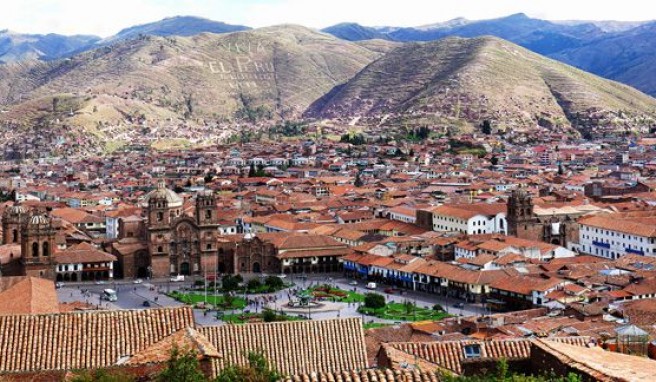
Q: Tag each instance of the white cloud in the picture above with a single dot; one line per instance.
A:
(107, 17)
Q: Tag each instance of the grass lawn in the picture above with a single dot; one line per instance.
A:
(255, 317)
(335, 294)
(217, 301)
(374, 325)
(398, 312)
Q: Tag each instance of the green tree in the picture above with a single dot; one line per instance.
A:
(182, 366)
(103, 376)
(274, 282)
(486, 127)
(358, 180)
(229, 283)
(253, 284)
(269, 316)
(374, 301)
(258, 370)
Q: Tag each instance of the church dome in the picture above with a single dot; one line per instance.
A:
(16, 209)
(38, 220)
(164, 194)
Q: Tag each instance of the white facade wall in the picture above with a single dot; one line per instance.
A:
(479, 224)
(613, 244)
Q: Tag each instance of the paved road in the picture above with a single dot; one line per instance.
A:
(132, 296)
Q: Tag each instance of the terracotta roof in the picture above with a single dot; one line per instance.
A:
(84, 340)
(186, 339)
(368, 375)
(614, 222)
(27, 295)
(600, 364)
(293, 347)
(451, 354)
(83, 253)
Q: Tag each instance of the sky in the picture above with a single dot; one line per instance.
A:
(105, 18)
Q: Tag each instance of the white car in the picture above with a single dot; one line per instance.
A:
(282, 275)
(353, 282)
(138, 281)
(177, 278)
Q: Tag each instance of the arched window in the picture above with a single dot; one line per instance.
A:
(15, 235)
(160, 216)
(208, 214)
(160, 249)
(46, 248)
(35, 249)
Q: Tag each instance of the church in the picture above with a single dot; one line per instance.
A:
(172, 242)
(168, 241)
(553, 223)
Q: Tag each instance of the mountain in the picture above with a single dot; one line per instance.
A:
(355, 32)
(18, 47)
(175, 26)
(541, 36)
(163, 82)
(465, 81)
(628, 57)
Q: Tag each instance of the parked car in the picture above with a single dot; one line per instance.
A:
(137, 281)
(100, 282)
(459, 305)
(371, 285)
(146, 304)
(178, 278)
(59, 285)
(353, 282)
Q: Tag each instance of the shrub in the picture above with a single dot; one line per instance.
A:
(253, 284)
(274, 282)
(374, 300)
(269, 316)
(438, 307)
(230, 282)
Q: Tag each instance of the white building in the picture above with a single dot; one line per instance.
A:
(471, 219)
(615, 235)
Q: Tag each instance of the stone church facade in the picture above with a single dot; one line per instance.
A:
(523, 222)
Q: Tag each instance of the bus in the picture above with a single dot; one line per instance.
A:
(110, 295)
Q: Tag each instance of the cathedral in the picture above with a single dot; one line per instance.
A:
(171, 242)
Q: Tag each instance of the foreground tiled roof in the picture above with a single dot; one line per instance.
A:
(186, 339)
(450, 354)
(293, 347)
(369, 375)
(600, 364)
(82, 340)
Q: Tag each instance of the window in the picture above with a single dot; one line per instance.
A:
(160, 216)
(15, 235)
(46, 248)
(472, 351)
(35, 249)
(208, 214)
(160, 249)
(209, 246)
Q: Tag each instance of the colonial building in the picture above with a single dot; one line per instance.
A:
(38, 254)
(551, 224)
(280, 252)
